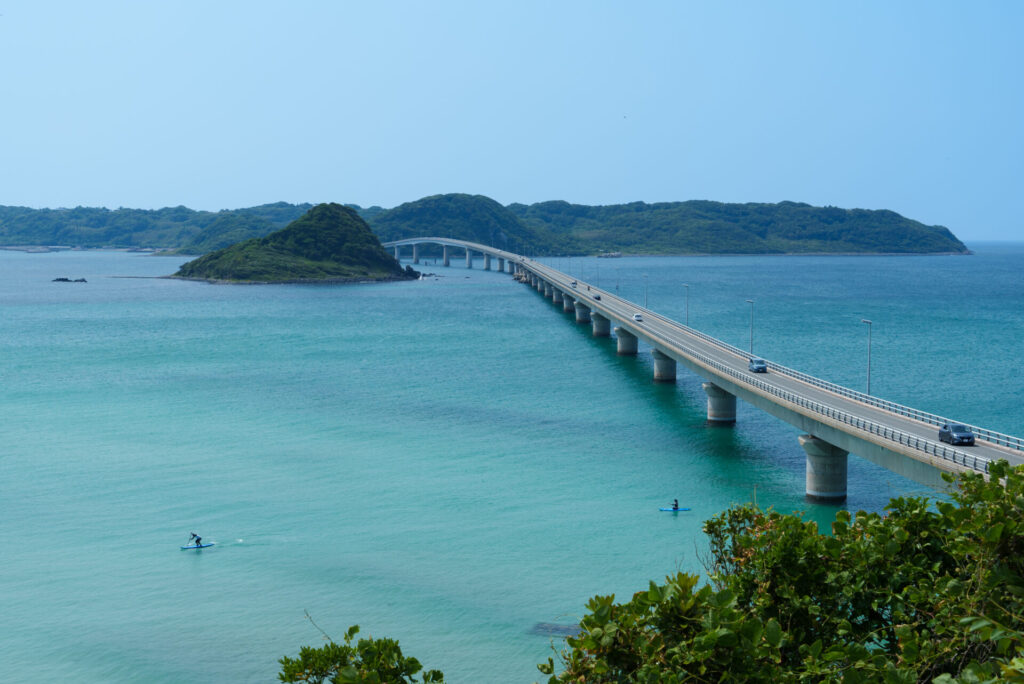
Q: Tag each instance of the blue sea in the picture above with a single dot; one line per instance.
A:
(450, 462)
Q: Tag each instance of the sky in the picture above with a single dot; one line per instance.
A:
(913, 106)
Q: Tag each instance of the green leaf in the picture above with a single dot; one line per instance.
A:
(773, 633)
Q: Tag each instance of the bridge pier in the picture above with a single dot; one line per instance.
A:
(501, 264)
(469, 258)
(664, 367)
(398, 253)
(582, 313)
(547, 289)
(568, 304)
(721, 405)
(601, 325)
(826, 470)
(487, 261)
(625, 342)
(556, 295)
(447, 259)
(415, 254)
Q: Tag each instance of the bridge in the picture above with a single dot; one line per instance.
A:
(835, 420)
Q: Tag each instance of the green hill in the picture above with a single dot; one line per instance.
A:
(167, 228)
(330, 242)
(692, 227)
(703, 227)
(227, 229)
(465, 217)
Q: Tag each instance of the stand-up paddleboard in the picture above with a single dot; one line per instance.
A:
(201, 546)
(674, 510)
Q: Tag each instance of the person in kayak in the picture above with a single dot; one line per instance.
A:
(199, 540)
(675, 506)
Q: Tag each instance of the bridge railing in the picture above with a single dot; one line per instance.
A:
(990, 436)
(977, 463)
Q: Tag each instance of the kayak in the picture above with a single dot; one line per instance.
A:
(201, 546)
(674, 510)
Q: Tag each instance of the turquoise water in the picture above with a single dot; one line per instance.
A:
(448, 462)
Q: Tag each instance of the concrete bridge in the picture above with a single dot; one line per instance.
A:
(836, 421)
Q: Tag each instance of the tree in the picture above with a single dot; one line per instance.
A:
(370, 661)
(923, 593)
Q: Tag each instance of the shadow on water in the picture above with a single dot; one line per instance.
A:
(554, 629)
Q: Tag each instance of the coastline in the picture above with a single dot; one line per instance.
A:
(354, 280)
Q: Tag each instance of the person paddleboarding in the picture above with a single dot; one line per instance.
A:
(199, 540)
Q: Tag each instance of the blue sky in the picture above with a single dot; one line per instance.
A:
(911, 106)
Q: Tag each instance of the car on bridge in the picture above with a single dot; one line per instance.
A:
(757, 366)
(638, 318)
(954, 433)
(597, 297)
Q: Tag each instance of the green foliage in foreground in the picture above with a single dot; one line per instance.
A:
(370, 661)
(920, 594)
(925, 593)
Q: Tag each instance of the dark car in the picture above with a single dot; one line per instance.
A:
(597, 297)
(954, 433)
(758, 366)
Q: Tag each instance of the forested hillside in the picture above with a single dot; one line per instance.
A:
(545, 228)
(702, 227)
(466, 217)
(167, 228)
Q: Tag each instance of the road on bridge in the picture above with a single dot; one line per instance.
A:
(669, 336)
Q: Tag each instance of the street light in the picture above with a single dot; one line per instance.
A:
(687, 286)
(864, 320)
(645, 290)
(751, 303)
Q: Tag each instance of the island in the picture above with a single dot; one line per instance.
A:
(330, 243)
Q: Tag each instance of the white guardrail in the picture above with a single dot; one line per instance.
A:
(978, 463)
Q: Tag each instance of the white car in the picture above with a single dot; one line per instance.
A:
(638, 318)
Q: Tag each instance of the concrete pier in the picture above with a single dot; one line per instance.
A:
(487, 261)
(469, 258)
(547, 289)
(721, 405)
(447, 259)
(568, 304)
(826, 470)
(625, 342)
(602, 327)
(398, 253)
(582, 313)
(664, 367)
(556, 296)
(416, 254)
(501, 264)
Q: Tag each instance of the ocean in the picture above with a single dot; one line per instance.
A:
(450, 462)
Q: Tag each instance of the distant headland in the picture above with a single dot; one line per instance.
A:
(542, 229)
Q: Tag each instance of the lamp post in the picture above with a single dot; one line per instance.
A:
(687, 320)
(864, 320)
(645, 290)
(751, 303)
